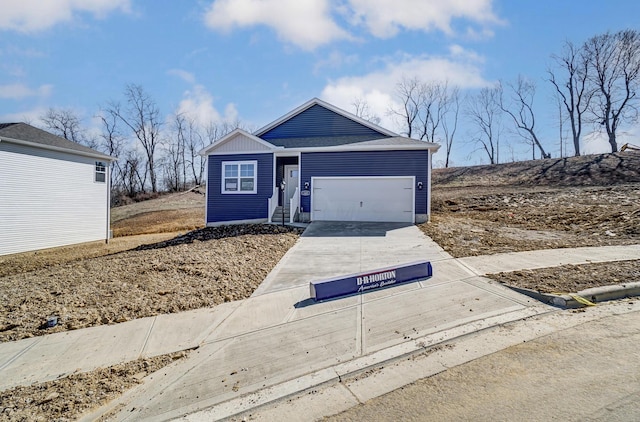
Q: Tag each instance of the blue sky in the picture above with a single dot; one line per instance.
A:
(255, 60)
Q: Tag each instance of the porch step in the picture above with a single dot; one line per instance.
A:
(277, 215)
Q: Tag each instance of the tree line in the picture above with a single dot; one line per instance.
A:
(595, 83)
(153, 153)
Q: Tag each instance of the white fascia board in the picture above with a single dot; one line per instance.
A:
(328, 106)
(228, 137)
(58, 149)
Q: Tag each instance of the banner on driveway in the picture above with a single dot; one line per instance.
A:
(370, 280)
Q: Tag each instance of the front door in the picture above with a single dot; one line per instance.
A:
(291, 180)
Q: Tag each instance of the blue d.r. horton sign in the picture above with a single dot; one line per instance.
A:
(371, 280)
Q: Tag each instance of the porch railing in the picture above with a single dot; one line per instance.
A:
(273, 203)
(294, 205)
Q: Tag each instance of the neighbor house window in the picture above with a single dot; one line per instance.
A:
(239, 176)
(101, 172)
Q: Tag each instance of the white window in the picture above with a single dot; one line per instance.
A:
(239, 176)
(101, 172)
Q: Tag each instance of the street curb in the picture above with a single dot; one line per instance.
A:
(594, 295)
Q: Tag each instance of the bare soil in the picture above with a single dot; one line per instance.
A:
(174, 212)
(543, 204)
(572, 278)
(68, 398)
(200, 269)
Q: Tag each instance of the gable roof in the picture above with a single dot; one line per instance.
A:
(22, 133)
(246, 143)
(317, 123)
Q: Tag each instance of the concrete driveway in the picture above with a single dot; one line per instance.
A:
(327, 249)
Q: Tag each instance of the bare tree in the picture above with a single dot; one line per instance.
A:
(112, 143)
(520, 109)
(614, 64)
(215, 131)
(142, 117)
(66, 124)
(195, 143)
(571, 84)
(134, 173)
(434, 102)
(483, 109)
(451, 110)
(409, 91)
(362, 110)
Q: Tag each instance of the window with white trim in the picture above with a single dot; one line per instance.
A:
(101, 172)
(239, 176)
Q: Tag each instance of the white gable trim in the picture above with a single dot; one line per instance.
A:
(238, 141)
(317, 101)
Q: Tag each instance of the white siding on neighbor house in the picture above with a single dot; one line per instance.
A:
(49, 199)
(241, 143)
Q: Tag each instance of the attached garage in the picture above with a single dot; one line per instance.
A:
(385, 198)
(319, 162)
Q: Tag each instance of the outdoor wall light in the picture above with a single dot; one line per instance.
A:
(306, 185)
(419, 185)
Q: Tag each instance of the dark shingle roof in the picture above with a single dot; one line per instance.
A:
(28, 133)
(396, 141)
(321, 141)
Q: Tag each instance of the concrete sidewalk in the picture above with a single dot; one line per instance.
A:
(277, 343)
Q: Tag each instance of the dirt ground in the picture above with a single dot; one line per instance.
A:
(174, 212)
(516, 207)
(572, 278)
(200, 269)
(66, 399)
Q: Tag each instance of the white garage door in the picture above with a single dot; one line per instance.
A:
(363, 199)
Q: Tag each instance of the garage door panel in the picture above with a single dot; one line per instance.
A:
(363, 199)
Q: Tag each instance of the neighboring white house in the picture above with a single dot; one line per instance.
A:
(53, 192)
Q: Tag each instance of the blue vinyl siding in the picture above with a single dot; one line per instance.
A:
(317, 121)
(367, 163)
(230, 207)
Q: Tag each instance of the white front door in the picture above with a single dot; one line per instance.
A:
(389, 199)
(291, 180)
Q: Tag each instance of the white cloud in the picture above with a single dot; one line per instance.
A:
(188, 77)
(38, 15)
(384, 18)
(305, 23)
(19, 91)
(311, 23)
(197, 103)
(29, 116)
(377, 88)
